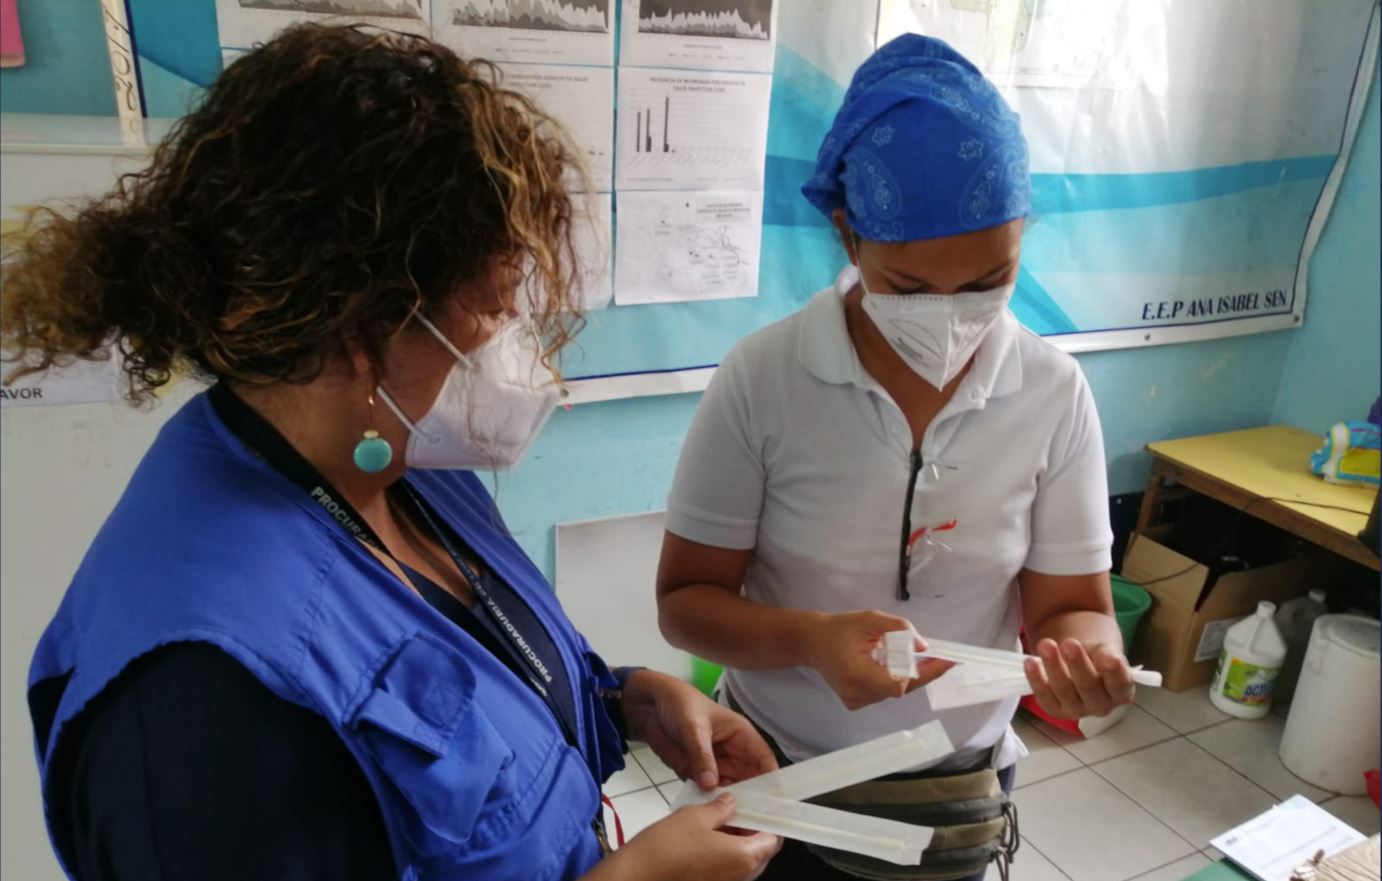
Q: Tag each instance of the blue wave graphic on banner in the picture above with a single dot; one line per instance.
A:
(1061, 193)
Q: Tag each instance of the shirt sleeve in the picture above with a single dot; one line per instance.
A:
(187, 768)
(1070, 515)
(717, 494)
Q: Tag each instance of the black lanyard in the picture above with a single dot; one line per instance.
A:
(264, 439)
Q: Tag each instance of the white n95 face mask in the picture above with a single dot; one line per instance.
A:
(936, 334)
(493, 404)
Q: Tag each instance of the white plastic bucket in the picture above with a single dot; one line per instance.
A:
(1333, 732)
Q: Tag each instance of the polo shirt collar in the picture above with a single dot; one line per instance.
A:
(827, 352)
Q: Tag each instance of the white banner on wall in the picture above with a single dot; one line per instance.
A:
(1185, 153)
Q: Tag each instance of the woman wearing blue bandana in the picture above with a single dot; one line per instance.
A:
(901, 454)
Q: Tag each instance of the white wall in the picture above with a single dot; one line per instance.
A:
(62, 468)
(61, 471)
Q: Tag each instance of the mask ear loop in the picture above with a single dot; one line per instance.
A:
(460, 357)
(441, 338)
(398, 411)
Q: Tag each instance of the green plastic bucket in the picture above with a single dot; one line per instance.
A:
(1130, 603)
(705, 675)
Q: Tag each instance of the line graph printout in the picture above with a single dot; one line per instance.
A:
(683, 130)
(582, 100)
(533, 31)
(736, 35)
(677, 247)
(244, 23)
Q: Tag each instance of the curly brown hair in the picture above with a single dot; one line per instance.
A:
(331, 183)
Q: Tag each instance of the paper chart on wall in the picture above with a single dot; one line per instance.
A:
(243, 23)
(594, 237)
(680, 246)
(682, 130)
(582, 100)
(702, 34)
(592, 243)
(533, 31)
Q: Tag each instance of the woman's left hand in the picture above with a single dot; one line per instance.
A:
(693, 735)
(1076, 679)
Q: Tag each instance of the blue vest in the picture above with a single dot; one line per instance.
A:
(473, 775)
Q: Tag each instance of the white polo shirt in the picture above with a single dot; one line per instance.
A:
(799, 454)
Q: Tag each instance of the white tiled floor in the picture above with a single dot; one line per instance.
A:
(1250, 748)
(1138, 803)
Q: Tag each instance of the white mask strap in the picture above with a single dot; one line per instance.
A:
(450, 347)
(398, 411)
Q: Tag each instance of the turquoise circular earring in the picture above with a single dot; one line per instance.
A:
(373, 454)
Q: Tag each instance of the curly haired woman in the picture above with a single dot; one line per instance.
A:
(304, 646)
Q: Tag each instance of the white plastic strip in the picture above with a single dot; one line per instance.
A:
(897, 653)
(771, 802)
(888, 840)
(638, 385)
(874, 758)
(978, 686)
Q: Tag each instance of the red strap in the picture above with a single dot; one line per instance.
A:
(618, 826)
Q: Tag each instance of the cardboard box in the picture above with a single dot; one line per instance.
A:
(1183, 632)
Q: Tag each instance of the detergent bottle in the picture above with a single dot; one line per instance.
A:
(1254, 653)
(1295, 619)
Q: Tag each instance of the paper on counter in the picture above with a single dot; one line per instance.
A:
(677, 247)
(1272, 845)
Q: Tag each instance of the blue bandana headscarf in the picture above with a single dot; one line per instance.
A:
(923, 147)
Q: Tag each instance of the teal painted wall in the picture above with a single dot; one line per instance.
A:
(1333, 364)
(66, 71)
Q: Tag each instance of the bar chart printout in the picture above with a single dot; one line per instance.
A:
(684, 130)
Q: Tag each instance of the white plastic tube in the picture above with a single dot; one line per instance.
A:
(772, 802)
(898, 653)
(875, 758)
(888, 840)
(969, 685)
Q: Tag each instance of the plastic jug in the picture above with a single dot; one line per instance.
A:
(1296, 619)
(1253, 655)
(1332, 735)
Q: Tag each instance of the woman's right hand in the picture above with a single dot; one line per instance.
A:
(842, 652)
(693, 844)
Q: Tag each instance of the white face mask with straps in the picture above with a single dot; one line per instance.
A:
(936, 334)
(493, 404)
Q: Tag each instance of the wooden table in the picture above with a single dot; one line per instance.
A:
(1264, 472)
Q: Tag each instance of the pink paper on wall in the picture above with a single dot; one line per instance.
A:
(11, 43)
